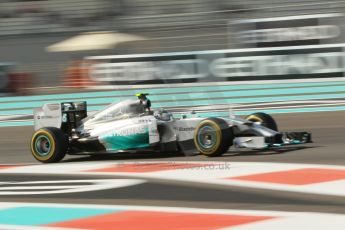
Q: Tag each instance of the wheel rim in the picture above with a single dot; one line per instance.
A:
(42, 145)
(207, 137)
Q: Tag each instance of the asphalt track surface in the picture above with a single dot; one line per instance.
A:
(328, 148)
(327, 130)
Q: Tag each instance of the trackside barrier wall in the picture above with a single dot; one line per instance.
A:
(272, 63)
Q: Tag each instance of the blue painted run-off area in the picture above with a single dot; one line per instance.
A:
(32, 216)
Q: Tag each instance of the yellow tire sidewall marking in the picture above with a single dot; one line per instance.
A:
(254, 118)
(52, 142)
(218, 137)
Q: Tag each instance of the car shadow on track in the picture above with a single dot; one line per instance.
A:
(122, 156)
(275, 151)
(148, 155)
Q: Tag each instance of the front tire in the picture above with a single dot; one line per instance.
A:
(213, 137)
(49, 145)
(265, 120)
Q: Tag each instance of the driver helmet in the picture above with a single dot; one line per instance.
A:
(141, 95)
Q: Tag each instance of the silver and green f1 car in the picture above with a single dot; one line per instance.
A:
(65, 128)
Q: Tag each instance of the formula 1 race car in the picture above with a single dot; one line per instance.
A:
(64, 128)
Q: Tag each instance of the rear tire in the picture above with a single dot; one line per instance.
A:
(213, 137)
(265, 120)
(49, 145)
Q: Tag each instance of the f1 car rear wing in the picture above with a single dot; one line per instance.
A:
(49, 115)
(65, 115)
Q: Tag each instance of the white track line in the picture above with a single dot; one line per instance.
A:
(218, 173)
